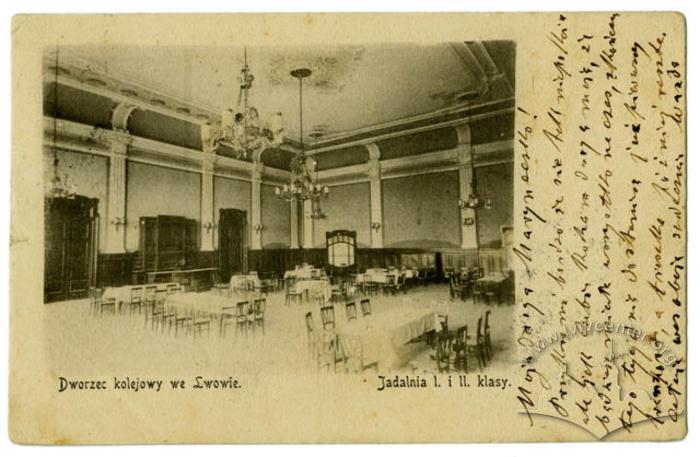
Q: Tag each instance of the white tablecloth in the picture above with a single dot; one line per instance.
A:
(373, 275)
(383, 333)
(206, 302)
(306, 272)
(123, 293)
(314, 287)
(250, 281)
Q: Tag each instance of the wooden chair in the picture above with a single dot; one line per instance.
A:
(95, 293)
(172, 289)
(257, 315)
(460, 346)
(200, 322)
(369, 287)
(389, 286)
(160, 297)
(149, 296)
(477, 292)
(153, 315)
(328, 317)
(109, 303)
(492, 294)
(351, 311)
(320, 299)
(366, 307)
(135, 302)
(310, 333)
(292, 294)
(476, 350)
(457, 289)
(443, 349)
(487, 336)
(238, 314)
(183, 321)
(167, 316)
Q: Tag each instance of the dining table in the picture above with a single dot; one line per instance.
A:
(122, 294)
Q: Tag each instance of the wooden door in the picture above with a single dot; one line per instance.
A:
(233, 242)
(70, 247)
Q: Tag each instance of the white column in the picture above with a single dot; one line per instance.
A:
(207, 203)
(294, 224)
(308, 240)
(374, 171)
(468, 215)
(115, 241)
(255, 207)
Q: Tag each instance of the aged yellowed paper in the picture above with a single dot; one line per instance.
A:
(309, 228)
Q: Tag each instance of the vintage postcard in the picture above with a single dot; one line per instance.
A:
(326, 228)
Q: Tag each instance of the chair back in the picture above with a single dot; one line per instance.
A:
(328, 317)
(487, 329)
(462, 338)
(366, 307)
(309, 322)
(351, 311)
(136, 293)
(160, 296)
(259, 307)
(173, 288)
(149, 293)
(479, 338)
(242, 309)
(442, 348)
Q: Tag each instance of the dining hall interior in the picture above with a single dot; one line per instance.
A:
(279, 210)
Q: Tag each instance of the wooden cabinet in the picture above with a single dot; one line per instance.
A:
(71, 228)
(167, 243)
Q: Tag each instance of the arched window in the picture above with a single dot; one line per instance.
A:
(341, 248)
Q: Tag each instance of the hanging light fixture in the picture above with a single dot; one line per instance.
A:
(242, 131)
(302, 185)
(474, 201)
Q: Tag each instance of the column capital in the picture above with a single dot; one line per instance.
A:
(464, 134)
(120, 116)
(374, 152)
(374, 165)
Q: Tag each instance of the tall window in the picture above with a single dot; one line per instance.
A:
(341, 248)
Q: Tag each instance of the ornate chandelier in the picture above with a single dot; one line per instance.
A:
(302, 185)
(474, 201)
(242, 131)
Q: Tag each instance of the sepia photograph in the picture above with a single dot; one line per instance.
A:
(276, 210)
(348, 228)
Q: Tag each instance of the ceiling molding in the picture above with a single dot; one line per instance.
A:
(433, 162)
(426, 128)
(77, 72)
(83, 138)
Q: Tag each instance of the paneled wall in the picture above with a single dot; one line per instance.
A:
(494, 182)
(153, 190)
(87, 173)
(421, 211)
(230, 193)
(275, 218)
(347, 208)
